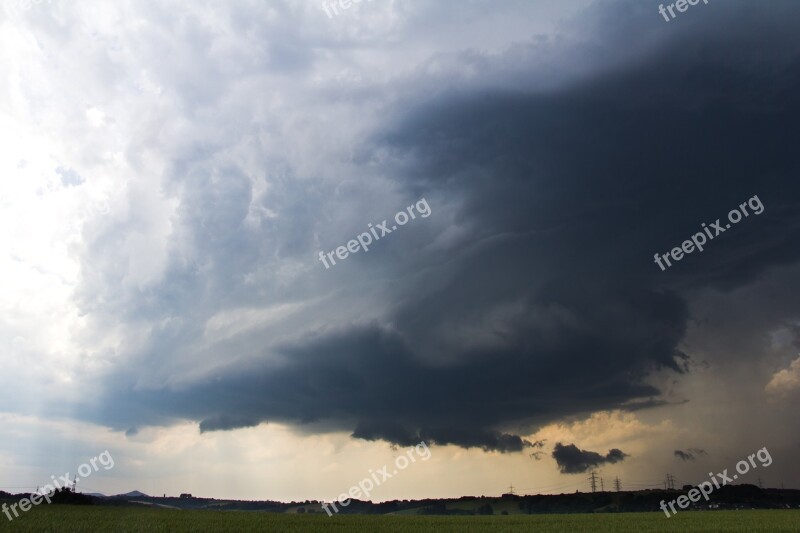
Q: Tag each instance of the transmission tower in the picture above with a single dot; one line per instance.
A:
(670, 484)
(593, 480)
(602, 486)
(617, 485)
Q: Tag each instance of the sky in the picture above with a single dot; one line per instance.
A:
(180, 181)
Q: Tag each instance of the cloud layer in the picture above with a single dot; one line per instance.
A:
(207, 179)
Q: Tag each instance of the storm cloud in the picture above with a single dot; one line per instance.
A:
(530, 294)
(573, 460)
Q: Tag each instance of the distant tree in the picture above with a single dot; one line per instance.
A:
(485, 509)
(69, 497)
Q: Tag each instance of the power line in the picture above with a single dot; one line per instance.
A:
(555, 486)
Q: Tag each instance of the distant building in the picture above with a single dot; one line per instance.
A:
(186, 495)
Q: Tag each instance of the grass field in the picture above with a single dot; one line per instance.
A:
(126, 519)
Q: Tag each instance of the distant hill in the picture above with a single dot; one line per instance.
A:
(132, 494)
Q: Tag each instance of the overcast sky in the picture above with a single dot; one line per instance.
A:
(171, 171)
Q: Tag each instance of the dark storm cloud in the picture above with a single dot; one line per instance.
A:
(684, 455)
(223, 422)
(573, 460)
(537, 455)
(358, 377)
(466, 437)
(553, 305)
(574, 192)
(689, 455)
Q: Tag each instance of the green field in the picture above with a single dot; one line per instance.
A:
(122, 519)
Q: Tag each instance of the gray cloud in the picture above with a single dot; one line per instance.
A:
(573, 460)
(684, 456)
(465, 437)
(226, 421)
(689, 455)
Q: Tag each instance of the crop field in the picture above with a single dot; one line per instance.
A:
(127, 519)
